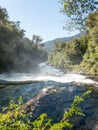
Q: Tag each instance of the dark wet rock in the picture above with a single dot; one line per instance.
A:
(94, 77)
(92, 87)
(54, 98)
(3, 82)
(55, 103)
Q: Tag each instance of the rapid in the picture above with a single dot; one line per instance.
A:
(52, 91)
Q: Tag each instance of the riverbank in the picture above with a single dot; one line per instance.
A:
(78, 70)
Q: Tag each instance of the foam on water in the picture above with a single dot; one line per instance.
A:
(47, 73)
(66, 78)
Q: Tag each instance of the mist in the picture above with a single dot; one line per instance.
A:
(17, 52)
(21, 55)
(47, 73)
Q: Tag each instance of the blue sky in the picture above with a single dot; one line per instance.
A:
(40, 17)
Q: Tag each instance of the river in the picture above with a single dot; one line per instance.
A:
(51, 79)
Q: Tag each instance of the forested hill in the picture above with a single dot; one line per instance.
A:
(49, 45)
(17, 52)
(81, 53)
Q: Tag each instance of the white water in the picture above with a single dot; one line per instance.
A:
(47, 73)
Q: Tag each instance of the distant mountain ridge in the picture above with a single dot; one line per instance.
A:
(49, 45)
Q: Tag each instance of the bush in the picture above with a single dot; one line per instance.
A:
(15, 117)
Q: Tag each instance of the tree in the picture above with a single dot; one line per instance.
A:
(77, 12)
(3, 15)
(92, 20)
(16, 51)
(36, 39)
(90, 58)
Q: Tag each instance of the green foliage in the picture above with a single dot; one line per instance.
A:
(36, 39)
(62, 126)
(90, 59)
(92, 20)
(3, 15)
(68, 115)
(67, 54)
(15, 117)
(82, 51)
(42, 122)
(78, 11)
(17, 53)
(74, 110)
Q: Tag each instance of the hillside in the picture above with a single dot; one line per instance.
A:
(49, 45)
(17, 52)
(81, 53)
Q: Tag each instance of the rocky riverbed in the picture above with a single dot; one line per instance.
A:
(54, 101)
(52, 92)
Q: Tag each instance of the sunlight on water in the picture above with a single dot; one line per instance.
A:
(47, 73)
(65, 78)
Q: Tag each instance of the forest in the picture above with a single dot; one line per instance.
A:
(81, 53)
(17, 52)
